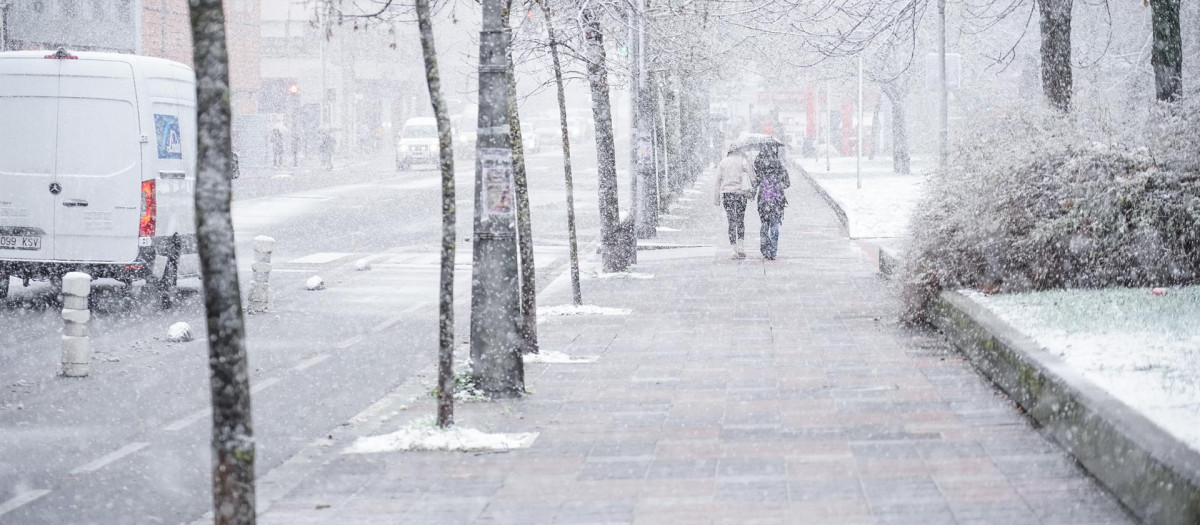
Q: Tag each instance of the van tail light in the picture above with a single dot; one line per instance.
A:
(149, 210)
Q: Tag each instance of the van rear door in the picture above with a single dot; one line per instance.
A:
(28, 130)
(98, 163)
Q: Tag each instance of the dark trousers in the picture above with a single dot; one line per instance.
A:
(769, 233)
(735, 209)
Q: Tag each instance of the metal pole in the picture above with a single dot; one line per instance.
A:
(943, 97)
(828, 124)
(634, 78)
(859, 146)
(497, 368)
(4, 26)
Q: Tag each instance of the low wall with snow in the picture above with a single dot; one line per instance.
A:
(1155, 475)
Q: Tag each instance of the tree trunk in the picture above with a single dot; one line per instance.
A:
(897, 92)
(1056, 52)
(496, 364)
(606, 158)
(675, 173)
(1167, 54)
(660, 137)
(875, 131)
(576, 294)
(232, 431)
(445, 402)
(529, 339)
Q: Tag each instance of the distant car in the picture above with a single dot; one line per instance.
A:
(418, 143)
(530, 140)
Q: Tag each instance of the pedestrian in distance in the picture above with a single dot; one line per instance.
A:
(770, 181)
(732, 192)
(327, 144)
(276, 148)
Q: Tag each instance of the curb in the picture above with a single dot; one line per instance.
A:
(1152, 473)
(837, 208)
(889, 265)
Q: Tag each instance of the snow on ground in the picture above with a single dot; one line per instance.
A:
(423, 434)
(1144, 349)
(881, 207)
(587, 309)
(553, 357)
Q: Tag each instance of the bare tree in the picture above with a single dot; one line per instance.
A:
(1167, 54)
(576, 293)
(1056, 52)
(613, 255)
(232, 431)
(529, 340)
(897, 91)
(445, 410)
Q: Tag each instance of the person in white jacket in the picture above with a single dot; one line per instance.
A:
(732, 190)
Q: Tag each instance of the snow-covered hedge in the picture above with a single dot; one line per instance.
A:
(1042, 201)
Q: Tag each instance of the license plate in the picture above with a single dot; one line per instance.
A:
(20, 242)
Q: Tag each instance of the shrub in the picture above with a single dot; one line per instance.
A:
(1036, 202)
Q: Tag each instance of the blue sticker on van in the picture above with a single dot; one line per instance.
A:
(166, 129)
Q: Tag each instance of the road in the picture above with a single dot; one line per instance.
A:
(130, 443)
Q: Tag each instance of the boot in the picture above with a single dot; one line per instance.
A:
(734, 249)
(741, 249)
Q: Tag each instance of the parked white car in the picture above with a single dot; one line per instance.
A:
(97, 168)
(418, 143)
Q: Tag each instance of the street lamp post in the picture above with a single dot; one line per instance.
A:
(858, 149)
(828, 124)
(497, 368)
(943, 97)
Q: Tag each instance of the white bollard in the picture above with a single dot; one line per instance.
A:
(76, 348)
(260, 285)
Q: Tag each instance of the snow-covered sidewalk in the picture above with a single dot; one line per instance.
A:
(733, 390)
(1142, 348)
(881, 207)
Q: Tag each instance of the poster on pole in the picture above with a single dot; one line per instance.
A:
(498, 194)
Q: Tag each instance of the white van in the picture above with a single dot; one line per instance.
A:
(97, 168)
(418, 143)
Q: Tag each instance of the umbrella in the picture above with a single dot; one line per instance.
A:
(755, 141)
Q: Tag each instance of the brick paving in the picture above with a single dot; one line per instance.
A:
(751, 392)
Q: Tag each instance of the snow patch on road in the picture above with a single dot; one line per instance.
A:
(587, 309)
(666, 229)
(315, 283)
(423, 434)
(1142, 348)
(553, 357)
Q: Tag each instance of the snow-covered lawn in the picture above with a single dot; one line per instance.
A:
(423, 434)
(881, 207)
(1142, 348)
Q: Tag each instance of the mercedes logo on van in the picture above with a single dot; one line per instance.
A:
(55, 188)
